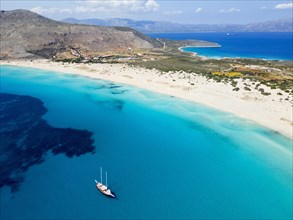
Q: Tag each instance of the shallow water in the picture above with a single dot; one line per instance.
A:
(166, 158)
(271, 46)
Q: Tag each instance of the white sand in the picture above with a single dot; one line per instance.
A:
(268, 111)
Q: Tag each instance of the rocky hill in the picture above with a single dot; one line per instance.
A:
(26, 34)
(282, 25)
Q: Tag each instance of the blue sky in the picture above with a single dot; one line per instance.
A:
(192, 11)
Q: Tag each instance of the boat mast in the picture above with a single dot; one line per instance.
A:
(101, 174)
(106, 180)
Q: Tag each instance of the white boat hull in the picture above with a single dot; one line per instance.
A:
(104, 189)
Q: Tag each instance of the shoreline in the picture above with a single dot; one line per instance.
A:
(267, 111)
(194, 54)
(221, 58)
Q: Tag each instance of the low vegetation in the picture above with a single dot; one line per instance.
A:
(228, 74)
(274, 74)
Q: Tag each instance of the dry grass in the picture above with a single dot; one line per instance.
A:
(229, 74)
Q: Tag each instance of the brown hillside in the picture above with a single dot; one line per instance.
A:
(25, 34)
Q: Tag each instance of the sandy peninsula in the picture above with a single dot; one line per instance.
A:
(271, 111)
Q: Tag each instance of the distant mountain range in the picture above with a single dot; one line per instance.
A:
(282, 25)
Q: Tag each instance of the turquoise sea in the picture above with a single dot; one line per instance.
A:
(166, 158)
(270, 46)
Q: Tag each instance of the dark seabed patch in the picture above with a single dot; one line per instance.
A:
(114, 104)
(26, 138)
(111, 86)
(95, 87)
(113, 89)
(118, 92)
(109, 104)
(72, 75)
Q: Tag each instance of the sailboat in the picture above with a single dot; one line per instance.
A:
(104, 188)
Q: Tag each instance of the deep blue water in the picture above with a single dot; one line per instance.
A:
(272, 46)
(166, 158)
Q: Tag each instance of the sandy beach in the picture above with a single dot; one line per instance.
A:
(271, 111)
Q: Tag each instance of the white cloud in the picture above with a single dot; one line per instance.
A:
(284, 6)
(198, 10)
(231, 10)
(263, 8)
(82, 9)
(172, 12)
(77, 9)
(110, 3)
(129, 5)
(41, 10)
(152, 5)
(103, 6)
